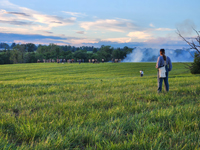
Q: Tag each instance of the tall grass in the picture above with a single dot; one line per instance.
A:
(97, 106)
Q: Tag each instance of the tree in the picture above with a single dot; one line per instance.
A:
(4, 45)
(30, 47)
(94, 50)
(30, 57)
(5, 57)
(128, 50)
(13, 45)
(195, 66)
(116, 54)
(105, 52)
(15, 56)
(195, 69)
(18, 54)
(51, 51)
(81, 54)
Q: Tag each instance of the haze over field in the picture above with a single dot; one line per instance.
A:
(151, 55)
(95, 23)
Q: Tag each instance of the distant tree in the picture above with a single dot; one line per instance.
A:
(18, 54)
(128, 50)
(4, 45)
(30, 57)
(13, 45)
(94, 50)
(195, 45)
(42, 49)
(1, 58)
(116, 54)
(30, 47)
(69, 47)
(106, 52)
(195, 67)
(81, 54)
(24, 53)
(5, 57)
(15, 56)
(51, 51)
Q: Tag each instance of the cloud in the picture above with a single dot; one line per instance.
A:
(36, 38)
(48, 32)
(115, 25)
(17, 13)
(15, 30)
(139, 35)
(41, 39)
(75, 14)
(164, 29)
(43, 42)
(80, 32)
(151, 25)
(115, 44)
(13, 36)
(166, 44)
(56, 22)
(14, 22)
(79, 42)
(118, 40)
(26, 16)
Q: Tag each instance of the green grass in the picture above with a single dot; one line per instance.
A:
(97, 106)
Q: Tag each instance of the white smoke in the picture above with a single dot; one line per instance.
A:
(151, 55)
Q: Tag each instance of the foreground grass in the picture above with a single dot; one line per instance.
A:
(97, 106)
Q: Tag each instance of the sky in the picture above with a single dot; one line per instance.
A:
(119, 23)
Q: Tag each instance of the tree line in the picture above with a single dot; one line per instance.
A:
(30, 53)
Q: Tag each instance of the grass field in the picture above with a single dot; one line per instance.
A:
(97, 106)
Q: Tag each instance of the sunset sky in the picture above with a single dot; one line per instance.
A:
(119, 23)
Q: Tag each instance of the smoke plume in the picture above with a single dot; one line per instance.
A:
(151, 55)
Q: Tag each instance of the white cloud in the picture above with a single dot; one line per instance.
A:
(15, 30)
(151, 25)
(80, 32)
(164, 29)
(115, 25)
(139, 35)
(119, 40)
(79, 42)
(45, 42)
(25, 16)
(75, 14)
